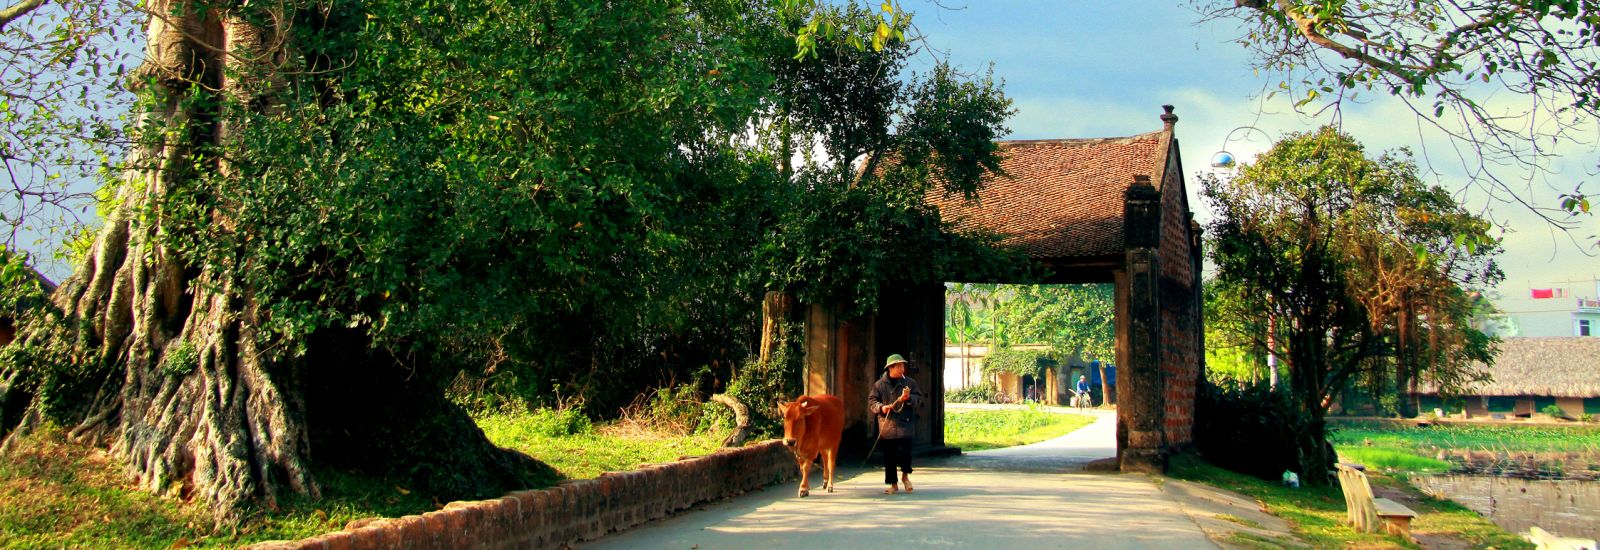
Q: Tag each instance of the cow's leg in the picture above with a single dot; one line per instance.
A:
(805, 477)
(827, 469)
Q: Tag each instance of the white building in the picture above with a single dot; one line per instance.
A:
(1555, 308)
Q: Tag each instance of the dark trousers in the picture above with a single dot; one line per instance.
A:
(896, 452)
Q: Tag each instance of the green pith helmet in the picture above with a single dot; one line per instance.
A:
(896, 358)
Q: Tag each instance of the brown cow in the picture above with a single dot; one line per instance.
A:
(812, 425)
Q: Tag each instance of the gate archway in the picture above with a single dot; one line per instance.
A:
(1104, 210)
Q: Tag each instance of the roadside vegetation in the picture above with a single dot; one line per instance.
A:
(1316, 513)
(976, 430)
(63, 494)
(1519, 450)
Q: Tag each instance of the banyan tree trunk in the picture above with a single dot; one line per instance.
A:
(169, 350)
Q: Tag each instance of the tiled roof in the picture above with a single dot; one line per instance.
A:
(1059, 198)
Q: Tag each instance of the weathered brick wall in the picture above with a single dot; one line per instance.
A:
(1180, 358)
(572, 511)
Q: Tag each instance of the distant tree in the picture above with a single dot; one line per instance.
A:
(1071, 319)
(1335, 247)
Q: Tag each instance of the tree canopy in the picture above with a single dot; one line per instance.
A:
(1453, 58)
(343, 211)
(1359, 268)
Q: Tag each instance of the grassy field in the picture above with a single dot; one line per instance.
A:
(1315, 513)
(1549, 450)
(1488, 437)
(606, 448)
(59, 494)
(976, 430)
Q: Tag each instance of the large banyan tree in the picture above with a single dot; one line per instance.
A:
(334, 208)
(336, 211)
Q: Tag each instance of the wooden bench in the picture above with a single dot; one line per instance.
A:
(1367, 513)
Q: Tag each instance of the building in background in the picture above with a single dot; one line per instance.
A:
(1530, 375)
(1559, 308)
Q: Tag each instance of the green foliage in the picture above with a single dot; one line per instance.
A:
(1367, 273)
(1553, 411)
(980, 393)
(829, 26)
(1489, 437)
(1015, 361)
(62, 104)
(180, 359)
(1452, 62)
(847, 232)
(20, 292)
(992, 429)
(556, 422)
(1390, 460)
(587, 454)
(762, 385)
(1252, 429)
(1071, 319)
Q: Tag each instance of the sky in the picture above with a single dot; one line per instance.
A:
(1081, 69)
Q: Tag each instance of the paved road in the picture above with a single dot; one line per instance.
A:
(1035, 496)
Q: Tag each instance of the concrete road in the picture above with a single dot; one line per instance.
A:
(1035, 496)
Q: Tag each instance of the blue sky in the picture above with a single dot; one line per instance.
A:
(1097, 69)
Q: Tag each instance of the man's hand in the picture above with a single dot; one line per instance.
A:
(905, 393)
(887, 409)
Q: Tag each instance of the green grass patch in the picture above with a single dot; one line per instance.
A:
(61, 494)
(58, 494)
(1390, 460)
(1486, 437)
(976, 430)
(608, 448)
(1317, 513)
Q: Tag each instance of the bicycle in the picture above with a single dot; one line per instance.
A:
(1081, 400)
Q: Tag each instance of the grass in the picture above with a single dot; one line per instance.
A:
(1316, 513)
(1393, 447)
(1496, 437)
(60, 494)
(1390, 460)
(607, 448)
(976, 430)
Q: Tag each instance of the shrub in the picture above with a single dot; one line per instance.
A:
(1554, 411)
(981, 393)
(559, 422)
(1254, 430)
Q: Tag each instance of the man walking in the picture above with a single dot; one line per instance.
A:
(895, 398)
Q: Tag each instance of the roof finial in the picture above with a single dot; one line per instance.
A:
(1169, 118)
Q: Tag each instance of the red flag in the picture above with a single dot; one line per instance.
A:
(1543, 293)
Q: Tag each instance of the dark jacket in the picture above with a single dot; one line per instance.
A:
(900, 424)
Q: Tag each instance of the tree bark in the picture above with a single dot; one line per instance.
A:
(741, 420)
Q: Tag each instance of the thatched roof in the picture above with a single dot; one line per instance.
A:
(1564, 366)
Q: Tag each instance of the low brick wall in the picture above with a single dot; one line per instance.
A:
(572, 511)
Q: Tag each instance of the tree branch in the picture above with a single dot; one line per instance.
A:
(12, 13)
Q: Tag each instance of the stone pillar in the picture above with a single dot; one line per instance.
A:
(1141, 441)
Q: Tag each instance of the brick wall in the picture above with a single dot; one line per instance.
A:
(572, 511)
(1180, 358)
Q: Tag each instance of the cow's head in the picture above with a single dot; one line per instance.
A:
(794, 416)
